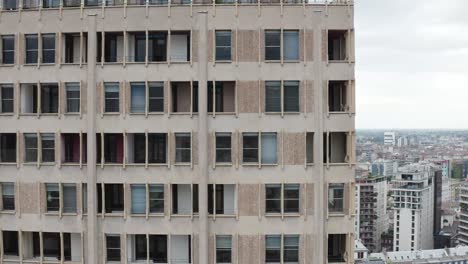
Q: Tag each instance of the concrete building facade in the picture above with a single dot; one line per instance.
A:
(177, 132)
(463, 224)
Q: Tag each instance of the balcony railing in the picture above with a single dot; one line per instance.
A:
(12, 5)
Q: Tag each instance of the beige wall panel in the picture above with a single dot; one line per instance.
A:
(211, 250)
(84, 99)
(128, 198)
(310, 248)
(309, 48)
(310, 96)
(248, 199)
(324, 45)
(248, 96)
(310, 198)
(196, 249)
(195, 147)
(195, 45)
(248, 249)
(301, 44)
(248, 45)
(99, 98)
(28, 196)
(210, 45)
(294, 151)
(167, 90)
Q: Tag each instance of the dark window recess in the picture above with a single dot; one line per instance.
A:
(48, 48)
(272, 45)
(113, 247)
(157, 46)
(10, 243)
(112, 42)
(273, 198)
(158, 248)
(8, 196)
(273, 248)
(48, 147)
(291, 198)
(224, 249)
(31, 48)
(7, 98)
(8, 147)
(157, 148)
(250, 147)
(217, 98)
(50, 3)
(223, 147)
(8, 49)
(337, 45)
(53, 197)
(156, 198)
(140, 46)
(49, 98)
(113, 198)
(51, 245)
(336, 247)
(181, 97)
(183, 147)
(223, 45)
(113, 148)
(156, 97)
(73, 97)
(111, 97)
(310, 147)
(337, 96)
(140, 247)
(139, 141)
(219, 197)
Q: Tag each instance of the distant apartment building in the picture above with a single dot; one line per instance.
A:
(383, 167)
(182, 132)
(413, 207)
(463, 225)
(402, 142)
(389, 138)
(373, 220)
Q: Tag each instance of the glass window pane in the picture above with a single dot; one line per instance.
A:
(138, 97)
(291, 96)
(273, 96)
(69, 198)
(291, 45)
(269, 148)
(138, 198)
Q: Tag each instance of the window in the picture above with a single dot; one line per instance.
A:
(69, 197)
(139, 39)
(50, 3)
(29, 98)
(10, 5)
(7, 98)
(51, 245)
(140, 247)
(184, 199)
(282, 98)
(73, 97)
(337, 45)
(49, 98)
(223, 249)
(272, 44)
(113, 148)
(221, 98)
(223, 45)
(157, 46)
(138, 198)
(221, 199)
(183, 147)
(8, 49)
(268, 146)
(7, 147)
(337, 101)
(158, 248)
(8, 196)
(310, 147)
(336, 198)
(52, 197)
(48, 147)
(290, 196)
(156, 97)
(273, 198)
(223, 147)
(337, 247)
(10, 243)
(184, 97)
(291, 45)
(180, 46)
(156, 198)
(113, 247)
(138, 98)
(71, 148)
(336, 150)
(290, 248)
(71, 44)
(48, 48)
(157, 148)
(113, 46)
(290, 49)
(136, 151)
(31, 147)
(112, 95)
(31, 48)
(113, 198)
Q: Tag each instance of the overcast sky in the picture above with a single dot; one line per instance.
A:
(411, 63)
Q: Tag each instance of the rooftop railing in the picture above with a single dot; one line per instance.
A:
(14, 5)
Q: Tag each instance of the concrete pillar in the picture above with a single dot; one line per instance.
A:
(203, 134)
(92, 232)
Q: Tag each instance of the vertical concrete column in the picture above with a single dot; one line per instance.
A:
(92, 232)
(203, 134)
